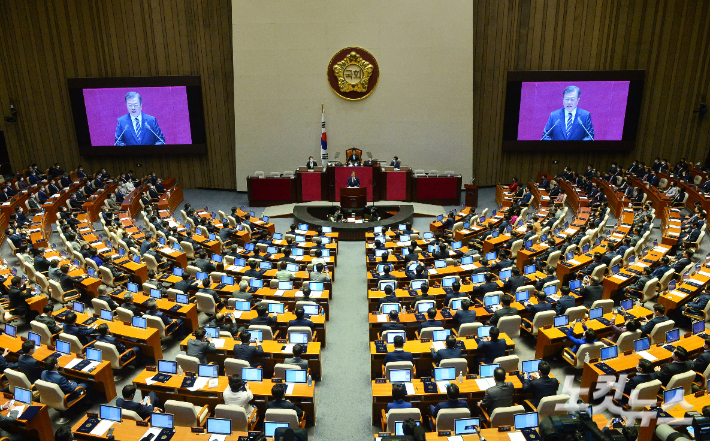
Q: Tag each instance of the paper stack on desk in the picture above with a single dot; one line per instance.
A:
(647, 356)
(199, 384)
(485, 383)
(102, 427)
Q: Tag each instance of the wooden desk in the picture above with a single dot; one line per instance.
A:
(96, 201)
(615, 199)
(127, 430)
(541, 198)
(612, 284)
(171, 199)
(39, 427)
(188, 313)
(576, 198)
(282, 322)
(672, 300)
(273, 354)
(658, 200)
(504, 198)
(303, 395)
(677, 412)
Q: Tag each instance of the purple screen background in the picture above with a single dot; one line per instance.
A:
(167, 104)
(605, 100)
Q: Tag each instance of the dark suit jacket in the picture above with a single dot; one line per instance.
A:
(631, 383)
(391, 327)
(591, 294)
(133, 308)
(126, 133)
(311, 164)
(67, 386)
(540, 388)
(247, 353)
(648, 327)
(701, 362)
(464, 316)
(30, 366)
(558, 119)
(398, 355)
(564, 303)
(492, 349)
(353, 182)
(143, 411)
(283, 404)
(450, 404)
(672, 368)
(41, 264)
(110, 339)
(515, 282)
(502, 312)
(200, 349)
(395, 164)
(430, 324)
(500, 395)
(18, 300)
(50, 322)
(446, 353)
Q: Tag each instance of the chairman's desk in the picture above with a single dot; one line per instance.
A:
(274, 352)
(101, 377)
(244, 317)
(187, 313)
(38, 427)
(551, 341)
(128, 430)
(628, 363)
(147, 339)
(576, 198)
(541, 197)
(469, 390)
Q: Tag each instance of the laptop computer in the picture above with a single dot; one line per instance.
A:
(252, 374)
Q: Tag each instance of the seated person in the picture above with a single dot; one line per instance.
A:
(492, 347)
(262, 317)
(484, 288)
(238, 394)
(644, 373)
(296, 359)
(541, 305)
(277, 392)
(102, 291)
(540, 385)
(590, 336)
(678, 365)
(67, 386)
(301, 320)
(453, 402)
(635, 289)
(171, 325)
(464, 315)
(393, 324)
(143, 408)
(658, 317)
(200, 346)
(319, 275)
(27, 364)
(702, 361)
(450, 351)
(500, 395)
(565, 301)
(224, 323)
(550, 277)
(592, 292)
(632, 325)
(431, 321)
(399, 393)
(389, 297)
(424, 294)
(399, 354)
(129, 305)
(246, 352)
(46, 319)
(106, 337)
(83, 333)
(505, 311)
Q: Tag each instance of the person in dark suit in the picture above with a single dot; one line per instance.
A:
(569, 123)
(143, 408)
(542, 304)
(658, 317)
(551, 277)
(698, 305)
(278, 402)
(136, 127)
(590, 336)
(417, 274)
(504, 261)
(4, 364)
(464, 315)
(678, 365)
(395, 162)
(505, 311)
(515, 281)
(500, 395)
(262, 317)
(644, 374)
(300, 320)
(399, 393)
(106, 337)
(203, 263)
(27, 364)
(353, 181)
(398, 354)
(679, 264)
(488, 286)
(389, 297)
(105, 297)
(449, 222)
(18, 296)
(296, 359)
(592, 266)
(431, 321)
(246, 352)
(67, 386)
(702, 361)
(253, 272)
(41, 262)
(565, 301)
(200, 346)
(311, 163)
(541, 260)
(83, 333)
(46, 319)
(636, 288)
(540, 385)
(450, 351)
(222, 322)
(453, 402)
(171, 325)
(592, 292)
(354, 159)
(129, 305)
(424, 294)
(544, 182)
(413, 255)
(205, 289)
(386, 274)
(492, 347)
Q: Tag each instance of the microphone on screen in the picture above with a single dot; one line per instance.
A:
(120, 136)
(548, 132)
(156, 135)
(585, 129)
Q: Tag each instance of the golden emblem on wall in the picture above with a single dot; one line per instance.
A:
(353, 73)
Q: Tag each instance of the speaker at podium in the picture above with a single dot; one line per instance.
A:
(353, 198)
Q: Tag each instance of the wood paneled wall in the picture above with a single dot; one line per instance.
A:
(45, 42)
(670, 39)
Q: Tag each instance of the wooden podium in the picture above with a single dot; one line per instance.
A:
(471, 195)
(353, 197)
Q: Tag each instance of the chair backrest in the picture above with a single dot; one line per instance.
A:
(184, 413)
(109, 353)
(155, 323)
(446, 417)
(606, 305)
(17, 379)
(43, 331)
(281, 368)
(396, 415)
(193, 270)
(599, 271)
(643, 394)
(508, 362)
(460, 364)
(467, 329)
(50, 394)
(510, 325)
(626, 340)
(542, 319)
(505, 416)
(594, 350)
(43, 283)
(554, 258)
(658, 333)
(576, 313)
(684, 380)
(234, 366)
(150, 262)
(75, 345)
(515, 247)
(556, 283)
(399, 365)
(99, 304)
(305, 329)
(266, 332)
(282, 416)
(106, 276)
(548, 406)
(429, 332)
(187, 363)
(124, 315)
(187, 247)
(92, 264)
(130, 415)
(205, 303)
(237, 414)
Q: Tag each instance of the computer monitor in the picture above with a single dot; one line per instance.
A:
(456, 245)
(392, 334)
(528, 244)
(388, 307)
(585, 249)
(297, 252)
(627, 304)
(525, 420)
(252, 374)
(296, 376)
(543, 238)
(302, 227)
(504, 274)
(522, 296)
(642, 344)
(132, 287)
(561, 320)
(674, 395)
(265, 219)
(328, 229)
(77, 307)
(285, 285)
(278, 236)
(575, 284)
(238, 261)
(478, 278)
(311, 309)
(23, 395)
(596, 313)
(216, 258)
(405, 238)
(673, 335)
(208, 370)
(278, 308)
(428, 235)
(417, 284)
(163, 420)
(271, 426)
(456, 304)
(121, 252)
(466, 426)
(299, 239)
(183, 299)
(569, 256)
(444, 374)
(399, 427)
(156, 293)
(610, 352)
(491, 256)
(486, 370)
(530, 269)
(424, 306)
(161, 241)
(140, 322)
(111, 413)
(63, 347)
(381, 267)
(441, 334)
(298, 337)
(379, 253)
(530, 365)
(466, 225)
(241, 306)
(550, 290)
(615, 269)
(316, 286)
(212, 332)
(265, 265)
(491, 300)
(10, 330)
(106, 315)
(439, 218)
(400, 375)
(35, 338)
(292, 267)
(495, 234)
(219, 426)
(201, 276)
(136, 258)
(441, 263)
(698, 327)
(484, 331)
(167, 367)
(177, 272)
(94, 355)
(448, 282)
(256, 283)
(249, 246)
(91, 272)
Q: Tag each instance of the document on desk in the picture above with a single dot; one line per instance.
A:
(703, 273)
(73, 363)
(382, 318)
(680, 294)
(218, 342)
(468, 267)
(150, 381)
(442, 386)
(298, 258)
(433, 271)
(316, 294)
(279, 293)
(19, 409)
(199, 384)
(289, 388)
(217, 437)
(485, 383)
(166, 250)
(410, 388)
(516, 436)
(439, 345)
(155, 431)
(287, 349)
(647, 356)
(91, 365)
(570, 231)
(574, 262)
(102, 427)
(237, 314)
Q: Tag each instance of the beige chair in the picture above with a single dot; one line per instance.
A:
(187, 363)
(648, 292)
(172, 294)
(577, 360)
(394, 416)
(157, 323)
(150, 262)
(110, 353)
(502, 416)
(684, 380)
(576, 313)
(665, 280)
(58, 294)
(304, 329)
(43, 284)
(281, 368)
(398, 365)
(510, 325)
(91, 264)
(460, 364)
(189, 251)
(19, 379)
(124, 315)
(445, 418)
(216, 276)
(658, 333)
(429, 332)
(266, 332)
(548, 405)
(8, 315)
(43, 331)
(206, 304)
(553, 258)
(234, 366)
(625, 341)
(599, 272)
(241, 422)
(515, 247)
(99, 304)
(186, 414)
(540, 319)
(285, 416)
(606, 305)
(192, 270)
(508, 362)
(467, 329)
(51, 395)
(130, 415)
(703, 385)
(75, 345)
(643, 394)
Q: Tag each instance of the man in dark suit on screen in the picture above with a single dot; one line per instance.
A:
(136, 127)
(570, 123)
